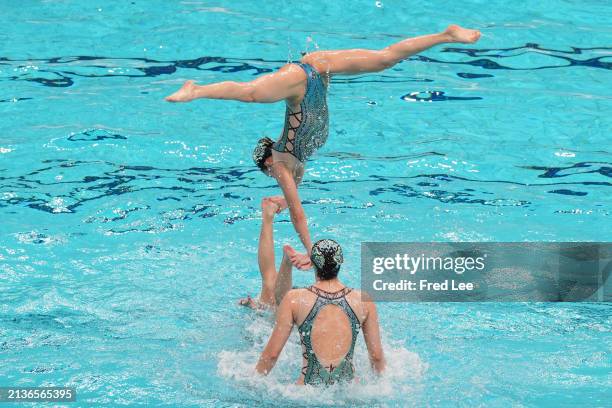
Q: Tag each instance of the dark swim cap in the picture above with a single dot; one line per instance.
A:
(326, 256)
(262, 151)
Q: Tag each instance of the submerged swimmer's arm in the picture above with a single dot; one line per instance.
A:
(358, 61)
(280, 334)
(286, 83)
(298, 216)
(371, 334)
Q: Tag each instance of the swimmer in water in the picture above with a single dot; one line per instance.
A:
(328, 314)
(303, 87)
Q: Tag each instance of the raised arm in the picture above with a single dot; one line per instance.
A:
(286, 83)
(371, 334)
(280, 334)
(358, 61)
(296, 211)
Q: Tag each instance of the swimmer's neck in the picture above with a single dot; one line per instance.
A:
(329, 285)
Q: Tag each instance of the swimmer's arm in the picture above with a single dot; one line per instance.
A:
(357, 61)
(286, 83)
(280, 334)
(371, 334)
(296, 210)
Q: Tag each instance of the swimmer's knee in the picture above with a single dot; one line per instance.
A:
(387, 59)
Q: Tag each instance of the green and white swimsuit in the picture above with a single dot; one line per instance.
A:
(312, 129)
(315, 373)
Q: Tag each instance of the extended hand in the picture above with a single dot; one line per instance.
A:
(280, 200)
(269, 208)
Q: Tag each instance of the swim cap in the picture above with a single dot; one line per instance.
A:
(327, 256)
(262, 151)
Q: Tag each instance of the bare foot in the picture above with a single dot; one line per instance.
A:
(248, 302)
(300, 261)
(185, 94)
(462, 35)
(256, 304)
(289, 251)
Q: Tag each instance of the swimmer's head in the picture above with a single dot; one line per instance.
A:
(326, 256)
(262, 155)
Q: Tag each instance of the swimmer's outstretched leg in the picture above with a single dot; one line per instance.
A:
(265, 255)
(358, 61)
(274, 87)
(284, 279)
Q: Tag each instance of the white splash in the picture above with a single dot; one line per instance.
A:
(58, 205)
(402, 376)
(565, 154)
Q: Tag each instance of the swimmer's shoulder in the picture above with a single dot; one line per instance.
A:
(299, 300)
(295, 295)
(360, 302)
(358, 295)
(298, 293)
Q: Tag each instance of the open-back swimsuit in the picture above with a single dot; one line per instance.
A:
(314, 372)
(312, 119)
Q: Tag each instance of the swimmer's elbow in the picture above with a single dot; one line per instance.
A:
(386, 60)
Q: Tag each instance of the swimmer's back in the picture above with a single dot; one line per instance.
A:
(304, 299)
(329, 324)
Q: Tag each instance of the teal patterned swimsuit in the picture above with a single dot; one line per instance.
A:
(315, 373)
(313, 120)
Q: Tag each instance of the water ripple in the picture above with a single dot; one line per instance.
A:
(211, 186)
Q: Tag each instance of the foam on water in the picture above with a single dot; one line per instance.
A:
(403, 374)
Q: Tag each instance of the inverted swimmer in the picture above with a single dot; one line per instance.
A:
(328, 314)
(303, 87)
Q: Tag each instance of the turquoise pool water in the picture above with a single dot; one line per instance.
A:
(129, 225)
